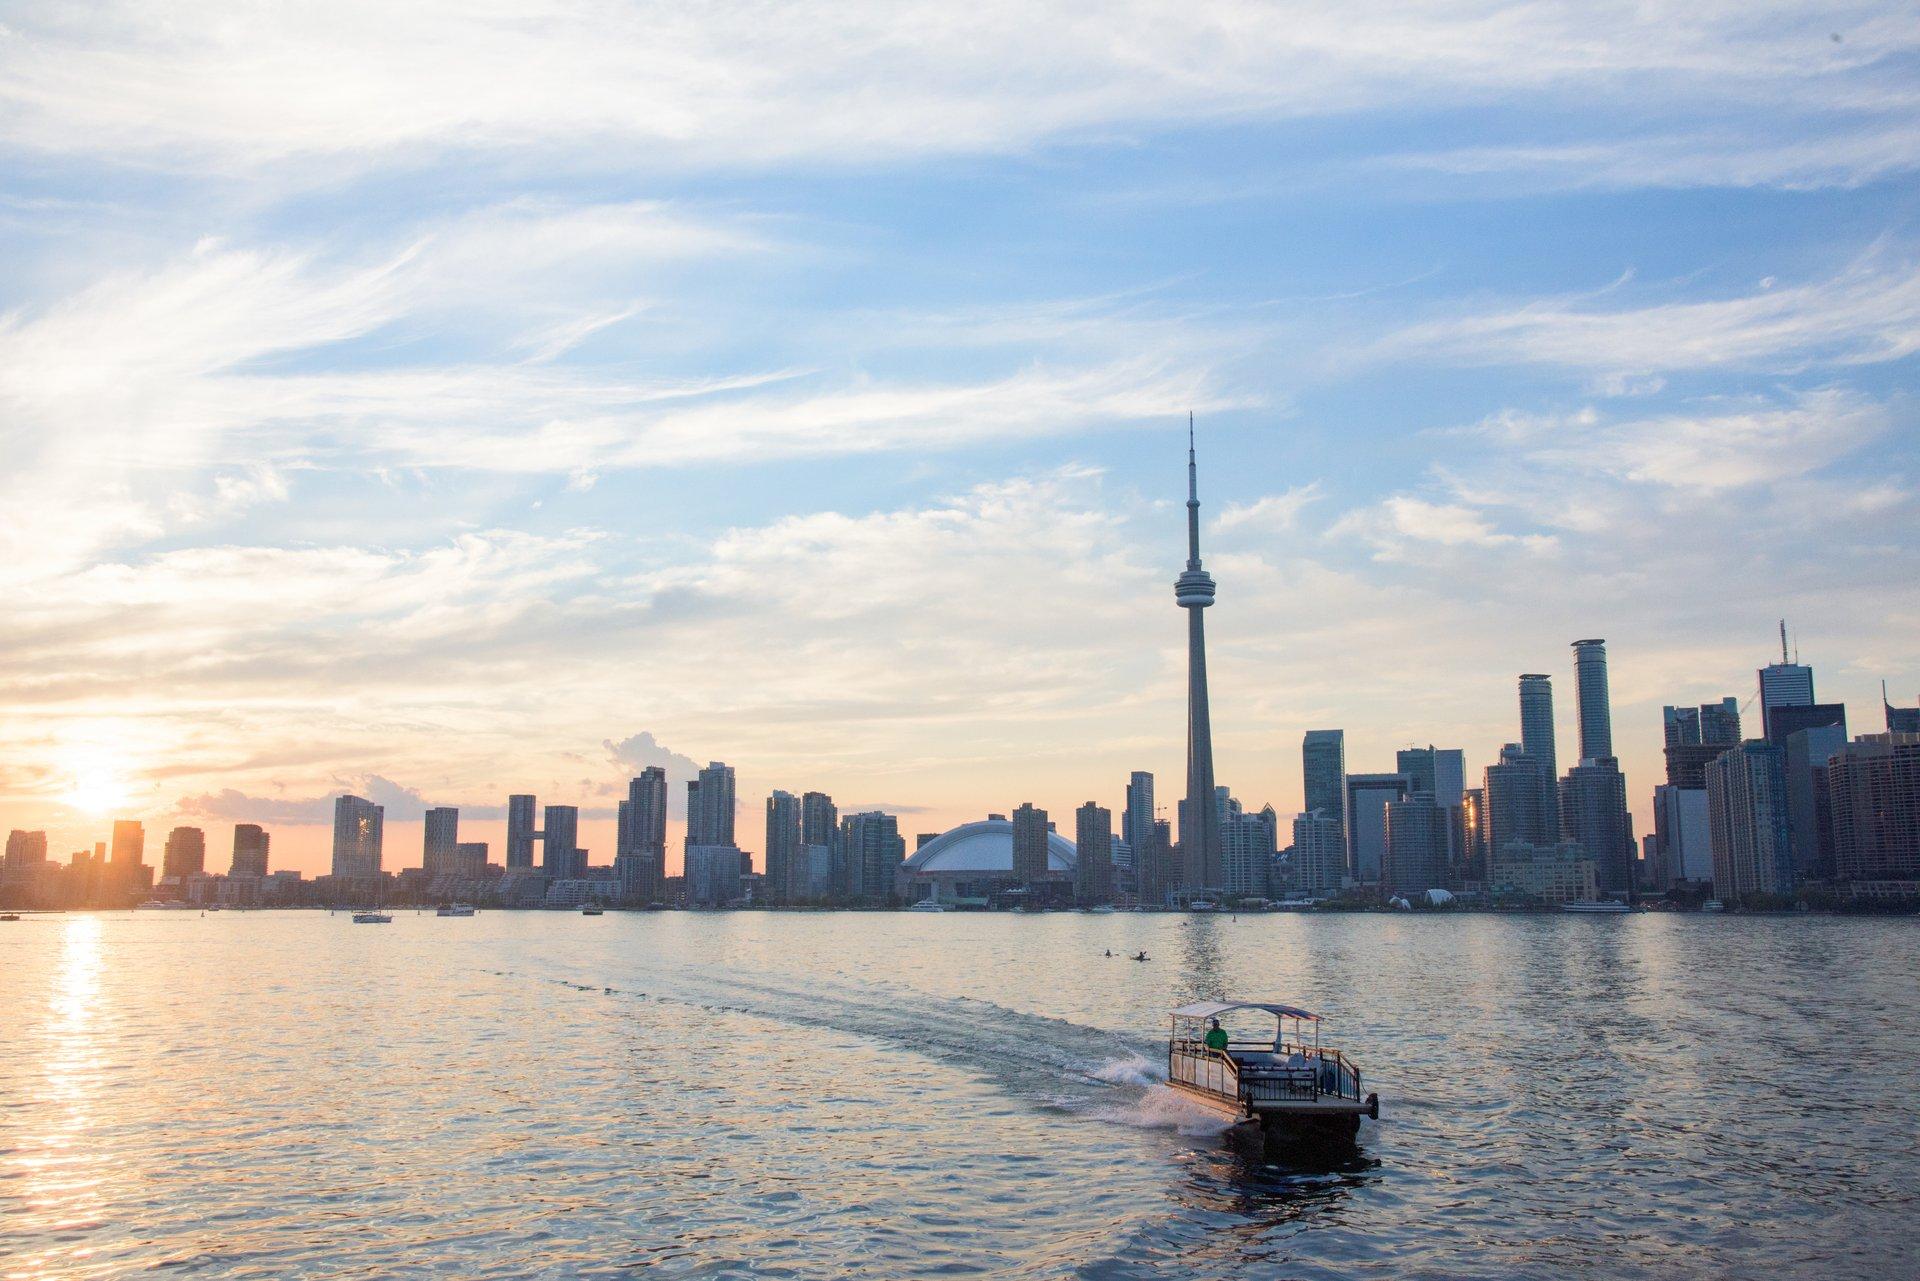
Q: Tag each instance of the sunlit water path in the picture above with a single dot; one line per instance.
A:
(275, 1094)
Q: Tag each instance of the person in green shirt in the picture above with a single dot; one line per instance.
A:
(1216, 1036)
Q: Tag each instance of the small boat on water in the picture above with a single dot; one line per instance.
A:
(1292, 1088)
(1595, 907)
(592, 909)
(1203, 905)
(372, 918)
(162, 905)
(454, 909)
(9, 916)
(928, 905)
(1713, 905)
(1103, 909)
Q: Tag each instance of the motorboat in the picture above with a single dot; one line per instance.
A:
(454, 909)
(9, 916)
(1596, 907)
(1713, 905)
(1103, 909)
(1203, 905)
(162, 905)
(1292, 1087)
(372, 918)
(929, 905)
(592, 909)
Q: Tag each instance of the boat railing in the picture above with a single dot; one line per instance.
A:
(1261, 1072)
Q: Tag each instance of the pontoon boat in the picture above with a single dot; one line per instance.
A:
(1292, 1087)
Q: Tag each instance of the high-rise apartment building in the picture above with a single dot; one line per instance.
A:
(522, 831)
(786, 865)
(874, 853)
(1720, 722)
(1029, 844)
(640, 852)
(1438, 772)
(710, 806)
(1414, 858)
(1323, 769)
(1136, 821)
(249, 851)
(561, 855)
(1596, 714)
(1093, 843)
(439, 846)
(357, 837)
(1249, 843)
(1319, 854)
(25, 848)
(1681, 834)
(1593, 815)
(1537, 741)
(129, 844)
(1873, 789)
(1809, 812)
(186, 853)
(1515, 798)
(1747, 822)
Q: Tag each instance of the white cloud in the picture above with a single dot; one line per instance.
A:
(1272, 514)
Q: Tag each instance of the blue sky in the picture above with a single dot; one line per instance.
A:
(435, 402)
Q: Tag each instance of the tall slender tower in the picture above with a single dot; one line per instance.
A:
(1596, 718)
(1202, 864)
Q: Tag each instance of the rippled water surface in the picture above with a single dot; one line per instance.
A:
(281, 1094)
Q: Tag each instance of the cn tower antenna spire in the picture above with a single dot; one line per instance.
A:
(1193, 500)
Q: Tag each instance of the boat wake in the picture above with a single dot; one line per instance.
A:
(1163, 1108)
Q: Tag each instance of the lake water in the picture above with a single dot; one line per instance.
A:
(797, 1095)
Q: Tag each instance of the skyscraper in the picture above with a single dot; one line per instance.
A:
(819, 819)
(1093, 844)
(1435, 771)
(1682, 725)
(249, 850)
(1593, 815)
(639, 859)
(1367, 797)
(561, 855)
(1136, 821)
(1200, 820)
(1720, 722)
(783, 847)
(874, 852)
(1515, 800)
(521, 832)
(357, 837)
(1873, 787)
(1747, 822)
(1029, 844)
(129, 844)
(1323, 768)
(1537, 741)
(1783, 684)
(1414, 857)
(710, 806)
(1809, 815)
(1900, 720)
(439, 847)
(1319, 854)
(1248, 844)
(1590, 684)
(186, 853)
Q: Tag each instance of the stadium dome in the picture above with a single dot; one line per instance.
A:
(985, 846)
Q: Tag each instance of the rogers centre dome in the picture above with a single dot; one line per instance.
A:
(983, 848)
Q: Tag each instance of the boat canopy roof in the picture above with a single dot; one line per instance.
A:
(1214, 1009)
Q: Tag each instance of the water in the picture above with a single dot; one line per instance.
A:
(794, 1095)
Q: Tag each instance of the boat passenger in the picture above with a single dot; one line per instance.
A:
(1109, 953)
(1216, 1036)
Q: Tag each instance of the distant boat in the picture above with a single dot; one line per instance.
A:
(1595, 907)
(1713, 905)
(592, 909)
(1104, 909)
(372, 918)
(454, 909)
(162, 905)
(9, 916)
(928, 905)
(1203, 905)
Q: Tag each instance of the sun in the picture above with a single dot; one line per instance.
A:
(99, 787)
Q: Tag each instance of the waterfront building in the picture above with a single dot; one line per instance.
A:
(1809, 815)
(1537, 741)
(1473, 835)
(1873, 791)
(186, 854)
(1682, 837)
(1200, 852)
(1550, 873)
(249, 851)
(714, 875)
(1323, 769)
(786, 872)
(440, 841)
(1367, 799)
(819, 818)
(1030, 828)
(1319, 854)
(1416, 845)
(1136, 821)
(561, 855)
(127, 869)
(819, 865)
(710, 806)
(640, 850)
(874, 854)
(521, 832)
(1439, 772)
(1593, 815)
(1596, 714)
(357, 837)
(973, 864)
(26, 848)
(1515, 797)
(1093, 847)
(1747, 822)
(469, 860)
(1153, 866)
(1248, 844)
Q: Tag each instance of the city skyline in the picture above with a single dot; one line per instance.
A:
(744, 422)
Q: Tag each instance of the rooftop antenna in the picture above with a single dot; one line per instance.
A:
(1783, 641)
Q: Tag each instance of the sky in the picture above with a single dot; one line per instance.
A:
(446, 400)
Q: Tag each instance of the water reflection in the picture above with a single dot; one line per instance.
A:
(1200, 956)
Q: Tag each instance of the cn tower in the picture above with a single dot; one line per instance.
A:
(1202, 865)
